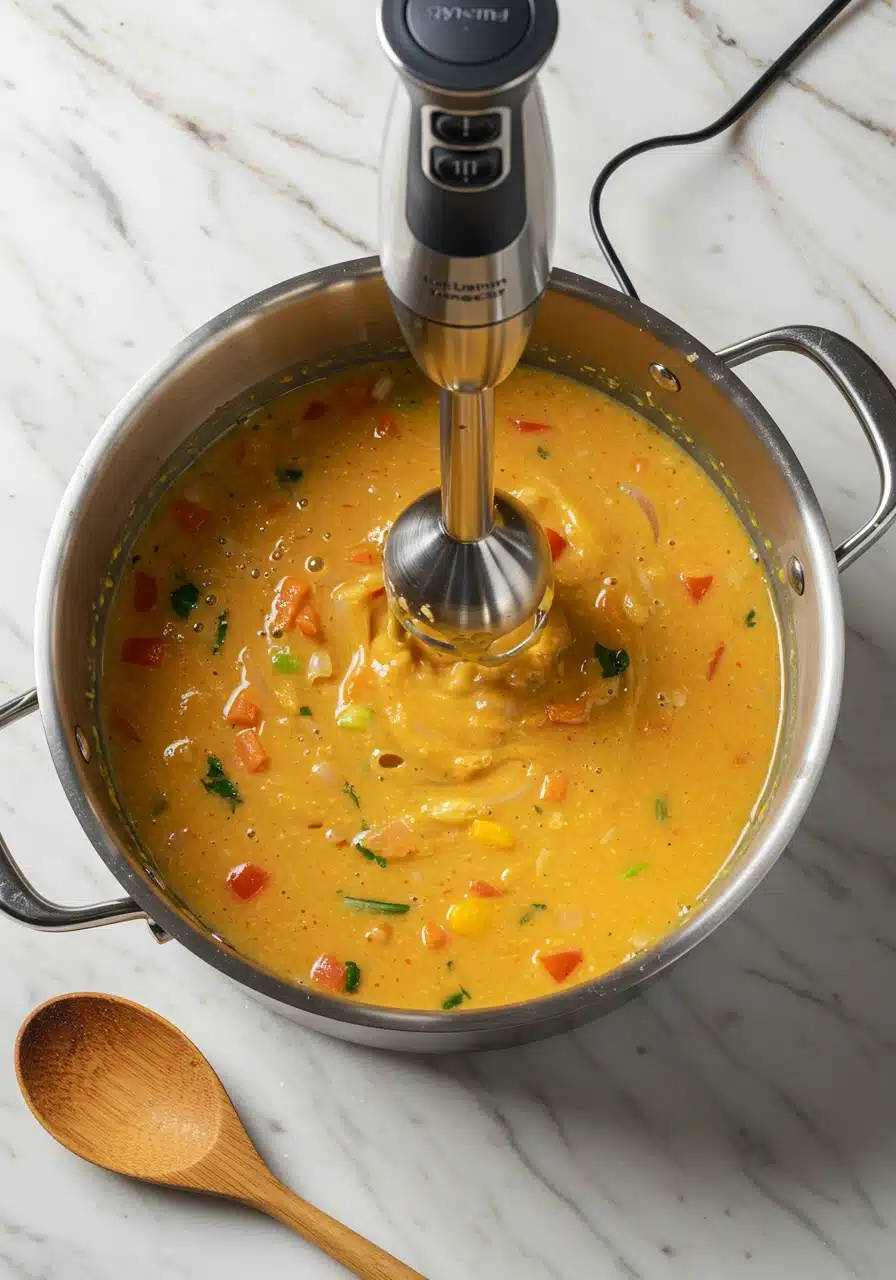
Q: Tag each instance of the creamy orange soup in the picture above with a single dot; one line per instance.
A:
(358, 815)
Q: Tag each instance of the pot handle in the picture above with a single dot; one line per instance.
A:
(870, 395)
(25, 905)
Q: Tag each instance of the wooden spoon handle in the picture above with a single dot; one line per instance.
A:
(360, 1256)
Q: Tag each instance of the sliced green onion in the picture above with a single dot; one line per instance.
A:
(634, 871)
(286, 663)
(662, 809)
(376, 907)
(370, 855)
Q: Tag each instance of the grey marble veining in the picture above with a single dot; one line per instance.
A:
(156, 164)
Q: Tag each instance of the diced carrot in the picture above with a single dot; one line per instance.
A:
(309, 622)
(291, 594)
(191, 516)
(125, 726)
(529, 428)
(362, 555)
(145, 651)
(434, 936)
(714, 662)
(250, 751)
(316, 409)
(556, 542)
(560, 964)
(386, 427)
(247, 880)
(743, 757)
(554, 788)
(327, 971)
(254, 450)
(482, 889)
(697, 587)
(244, 712)
(640, 464)
(355, 396)
(568, 712)
(146, 592)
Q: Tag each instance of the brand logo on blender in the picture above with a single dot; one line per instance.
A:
(466, 13)
(461, 291)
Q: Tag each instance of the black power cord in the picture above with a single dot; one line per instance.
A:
(770, 76)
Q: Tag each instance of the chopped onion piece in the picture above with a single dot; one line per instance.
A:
(646, 506)
(320, 665)
(382, 387)
(394, 841)
(325, 772)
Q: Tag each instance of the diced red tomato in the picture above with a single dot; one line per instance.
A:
(529, 428)
(554, 788)
(145, 651)
(309, 622)
(146, 592)
(191, 516)
(250, 752)
(560, 964)
(291, 595)
(327, 971)
(568, 712)
(482, 889)
(386, 427)
(355, 396)
(362, 555)
(244, 712)
(125, 726)
(434, 936)
(247, 880)
(556, 542)
(714, 662)
(697, 587)
(316, 409)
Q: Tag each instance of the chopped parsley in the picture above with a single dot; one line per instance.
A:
(217, 783)
(370, 855)
(458, 998)
(304, 711)
(289, 475)
(543, 452)
(159, 806)
(634, 871)
(349, 790)
(750, 619)
(352, 977)
(538, 809)
(662, 809)
(221, 631)
(450, 965)
(612, 661)
(528, 916)
(184, 599)
(376, 906)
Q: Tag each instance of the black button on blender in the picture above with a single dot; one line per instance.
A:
(466, 131)
(466, 169)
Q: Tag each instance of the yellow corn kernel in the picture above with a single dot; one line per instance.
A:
(470, 918)
(492, 833)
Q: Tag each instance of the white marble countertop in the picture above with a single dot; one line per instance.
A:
(157, 163)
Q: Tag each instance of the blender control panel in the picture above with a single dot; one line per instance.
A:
(465, 150)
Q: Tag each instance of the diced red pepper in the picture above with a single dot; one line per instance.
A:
(386, 427)
(560, 964)
(434, 936)
(362, 555)
(145, 651)
(482, 889)
(244, 712)
(554, 788)
(556, 542)
(530, 428)
(191, 516)
(146, 592)
(714, 662)
(291, 595)
(309, 622)
(250, 752)
(327, 971)
(316, 409)
(568, 712)
(697, 587)
(247, 880)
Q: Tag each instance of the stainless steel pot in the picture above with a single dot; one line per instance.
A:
(305, 327)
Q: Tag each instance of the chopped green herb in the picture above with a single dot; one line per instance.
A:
(750, 619)
(184, 599)
(159, 806)
(217, 783)
(221, 631)
(289, 475)
(352, 977)
(538, 809)
(634, 871)
(352, 794)
(370, 855)
(612, 661)
(376, 907)
(286, 663)
(136, 559)
(662, 809)
(458, 998)
(304, 711)
(450, 965)
(528, 916)
(542, 451)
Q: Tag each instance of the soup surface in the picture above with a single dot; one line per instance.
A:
(358, 815)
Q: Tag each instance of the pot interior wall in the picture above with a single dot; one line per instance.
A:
(303, 331)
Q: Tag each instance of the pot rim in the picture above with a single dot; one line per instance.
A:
(563, 1008)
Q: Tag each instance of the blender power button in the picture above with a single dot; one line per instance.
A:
(466, 169)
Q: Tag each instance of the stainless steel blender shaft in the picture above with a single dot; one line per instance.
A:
(468, 463)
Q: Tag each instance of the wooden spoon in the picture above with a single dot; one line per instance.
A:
(123, 1088)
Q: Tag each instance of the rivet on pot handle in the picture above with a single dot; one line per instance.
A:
(871, 396)
(24, 904)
